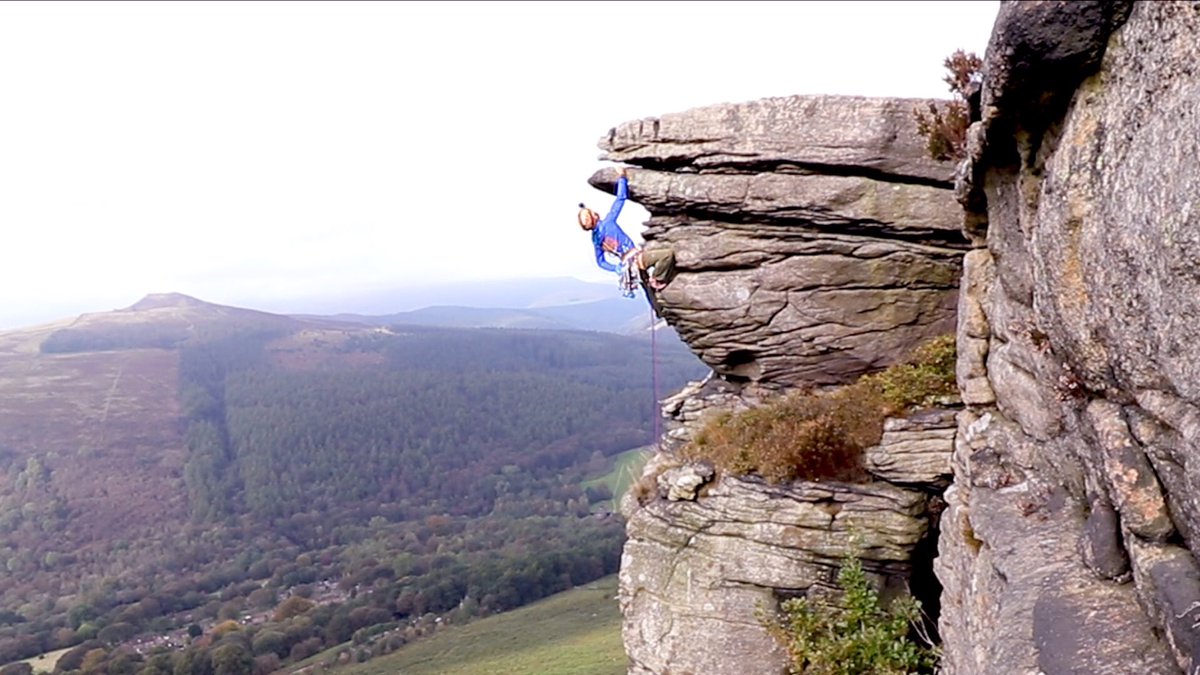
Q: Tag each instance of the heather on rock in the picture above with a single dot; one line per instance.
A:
(944, 125)
(822, 435)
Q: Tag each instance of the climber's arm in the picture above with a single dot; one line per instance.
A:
(622, 195)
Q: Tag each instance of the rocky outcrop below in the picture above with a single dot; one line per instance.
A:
(1069, 542)
(699, 575)
(815, 242)
(709, 558)
(814, 238)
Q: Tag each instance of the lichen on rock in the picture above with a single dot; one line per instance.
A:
(1069, 540)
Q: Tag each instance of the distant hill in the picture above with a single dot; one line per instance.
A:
(491, 294)
(162, 320)
(504, 293)
(613, 315)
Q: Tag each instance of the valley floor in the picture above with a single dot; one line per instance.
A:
(577, 632)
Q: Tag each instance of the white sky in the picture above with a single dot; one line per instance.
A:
(254, 153)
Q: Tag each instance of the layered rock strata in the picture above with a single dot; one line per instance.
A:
(815, 242)
(814, 238)
(710, 557)
(1069, 543)
(698, 575)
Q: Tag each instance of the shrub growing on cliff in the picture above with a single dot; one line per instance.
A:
(857, 637)
(809, 435)
(821, 435)
(921, 379)
(945, 126)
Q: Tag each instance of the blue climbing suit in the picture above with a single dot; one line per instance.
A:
(607, 229)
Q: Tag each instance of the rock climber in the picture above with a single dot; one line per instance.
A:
(652, 267)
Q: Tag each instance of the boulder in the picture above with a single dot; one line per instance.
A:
(915, 450)
(699, 577)
(815, 240)
(820, 134)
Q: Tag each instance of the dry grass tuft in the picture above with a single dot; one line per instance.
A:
(812, 435)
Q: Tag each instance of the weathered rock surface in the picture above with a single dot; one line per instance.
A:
(823, 134)
(696, 575)
(709, 556)
(1069, 542)
(915, 450)
(815, 240)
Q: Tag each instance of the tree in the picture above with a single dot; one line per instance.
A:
(93, 660)
(73, 658)
(338, 629)
(231, 658)
(305, 648)
(123, 663)
(266, 664)
(81, 613)
(159, 664)
(261, 598)
(857, 636)
(194, 662)
(293, 606)
(117, 632)
(224, 628)
(362, 617)
(270, 642)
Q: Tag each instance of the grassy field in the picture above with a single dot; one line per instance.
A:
(626, 469)
(577, 633)
(45, 662)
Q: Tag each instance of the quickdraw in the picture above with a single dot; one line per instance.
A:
(628, 278)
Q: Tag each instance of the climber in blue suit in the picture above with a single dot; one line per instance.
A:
(633, 264)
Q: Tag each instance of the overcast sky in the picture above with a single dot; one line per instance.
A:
(256, 154)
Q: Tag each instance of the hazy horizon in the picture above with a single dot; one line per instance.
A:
(262, 153)
(497, 294)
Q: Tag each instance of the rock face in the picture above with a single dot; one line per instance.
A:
(915, 450)
(814, 238)
(733, 553)
(709, 557)
(1069, 542)
(815, 241)
(1071, 529)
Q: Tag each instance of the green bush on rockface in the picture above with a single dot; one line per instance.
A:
(814, 435)
(857, 637)
(924, 377)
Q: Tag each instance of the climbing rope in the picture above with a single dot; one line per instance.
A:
(655, 410)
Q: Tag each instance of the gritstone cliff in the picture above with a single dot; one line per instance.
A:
(816, 243)
(1069, 542)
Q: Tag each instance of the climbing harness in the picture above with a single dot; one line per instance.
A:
(627, 275)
